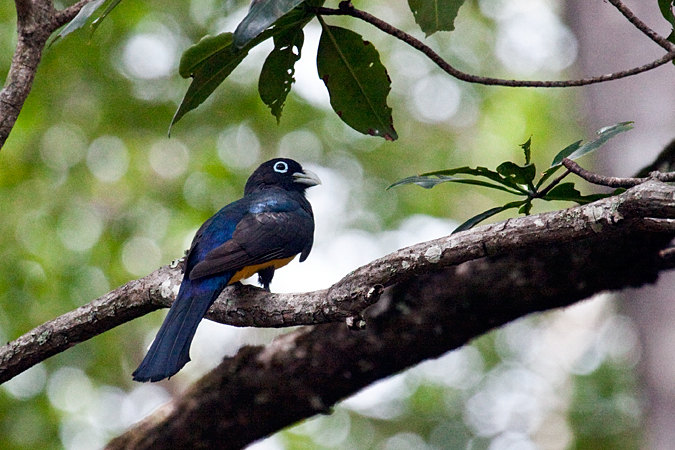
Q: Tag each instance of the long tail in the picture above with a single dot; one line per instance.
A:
(170, 350)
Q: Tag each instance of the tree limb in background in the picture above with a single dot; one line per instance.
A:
(264, 389)
(36, 21)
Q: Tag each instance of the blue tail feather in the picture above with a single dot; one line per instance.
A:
(170, 350)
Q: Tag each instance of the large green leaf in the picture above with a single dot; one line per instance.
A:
(604, 134)
(262, 14)
(277, 73)
(208, 76)
(435, 15)
(357, 81)
(198, 54)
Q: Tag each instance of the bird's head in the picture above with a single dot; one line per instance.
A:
(281, 172)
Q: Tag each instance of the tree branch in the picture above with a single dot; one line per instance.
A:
(346, 9)
(640, 25)
(614, 182)
(262, 390)
(36, 21)
(249, 306)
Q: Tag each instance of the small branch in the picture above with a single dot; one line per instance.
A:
(614, 182)
(36, 21)
(346, 9)
(640, 25)
(552, 184)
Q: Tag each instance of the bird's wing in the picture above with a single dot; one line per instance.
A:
(259, 238)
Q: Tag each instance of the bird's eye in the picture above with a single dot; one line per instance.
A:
(281, 167)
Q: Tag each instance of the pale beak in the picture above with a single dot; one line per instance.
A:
(306, 177)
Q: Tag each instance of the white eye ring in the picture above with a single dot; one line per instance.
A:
(281, 167)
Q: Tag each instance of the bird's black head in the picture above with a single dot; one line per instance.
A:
(281, 172)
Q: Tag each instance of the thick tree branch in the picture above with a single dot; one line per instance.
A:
(635, 210)
(262, 390)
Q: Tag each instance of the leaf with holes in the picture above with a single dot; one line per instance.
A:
(357, 81)
(435, 15)
(277, 72)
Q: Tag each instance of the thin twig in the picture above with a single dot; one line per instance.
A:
(640, 25)
(346, 9)
(614, 182)
(552, 184)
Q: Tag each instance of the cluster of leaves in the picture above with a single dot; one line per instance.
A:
(520, 180)
(357, 82)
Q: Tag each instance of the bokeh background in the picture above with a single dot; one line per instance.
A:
(93, 194)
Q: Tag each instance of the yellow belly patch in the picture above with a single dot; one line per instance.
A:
(249, 271)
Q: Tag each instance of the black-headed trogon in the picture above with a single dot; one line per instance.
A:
(263, 231)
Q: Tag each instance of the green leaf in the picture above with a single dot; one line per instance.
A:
(567, 192)
(566, 152)
(519, 174)
(80, 19)
(261, 15)
(475, 220)
(431, 179)
(435, 15)
(479, 172)
(208, 76)
(277, 72)
(526, 150)
(101, 18)
(429, 182)
(666, 7)
(526, 208)
(212, 60)
(195, 56)
(604, 134)
(357, 81)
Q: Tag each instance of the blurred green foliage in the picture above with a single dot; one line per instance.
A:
(93, 194)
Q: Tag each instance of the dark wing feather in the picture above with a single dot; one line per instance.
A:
(257, 239)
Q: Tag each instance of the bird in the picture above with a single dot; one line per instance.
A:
(262, 231)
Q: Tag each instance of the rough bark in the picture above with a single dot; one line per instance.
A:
(263, 389)
(647, 208)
